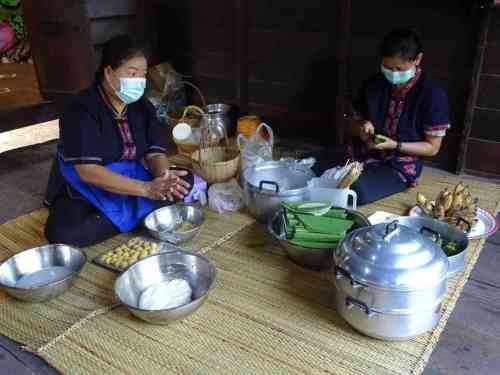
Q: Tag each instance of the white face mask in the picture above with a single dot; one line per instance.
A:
(131, 89)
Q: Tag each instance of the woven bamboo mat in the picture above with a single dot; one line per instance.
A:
(266, 315)
(92, 294)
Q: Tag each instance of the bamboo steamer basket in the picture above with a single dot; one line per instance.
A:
(217, 164)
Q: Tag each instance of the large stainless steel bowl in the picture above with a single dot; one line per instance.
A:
(197, 270)
(58, 264)
(163, 222)
(315, 259)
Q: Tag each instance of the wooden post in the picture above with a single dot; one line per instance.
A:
(60, 40)
(241, 55)
(474, 87)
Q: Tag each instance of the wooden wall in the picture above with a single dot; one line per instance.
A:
(282, 59)
(448, 29)
(481, 137)
(297, 63)
(276, 58)
(109, 18)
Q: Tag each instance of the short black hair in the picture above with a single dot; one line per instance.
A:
(118, 50)
(403, 43)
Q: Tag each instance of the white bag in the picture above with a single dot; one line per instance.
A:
(256, 149)
(225, 197)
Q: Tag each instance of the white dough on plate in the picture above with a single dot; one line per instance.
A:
(166, 295)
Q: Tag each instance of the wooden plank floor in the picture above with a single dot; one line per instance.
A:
(469, 345)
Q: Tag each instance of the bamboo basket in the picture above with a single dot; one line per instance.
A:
(188, 148)
(217, 164)
(188, 114)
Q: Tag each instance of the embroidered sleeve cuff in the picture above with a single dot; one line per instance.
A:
(437, 130)
(156, 150)
(83, 160)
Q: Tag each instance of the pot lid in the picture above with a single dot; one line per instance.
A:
(278, 177)
(391, 256)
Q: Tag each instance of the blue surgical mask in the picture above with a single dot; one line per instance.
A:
(398, 78)
(131, 89)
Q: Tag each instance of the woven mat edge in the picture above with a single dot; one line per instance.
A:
(436, 333)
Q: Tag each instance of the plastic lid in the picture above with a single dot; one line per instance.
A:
(181, 132)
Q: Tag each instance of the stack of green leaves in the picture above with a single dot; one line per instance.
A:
(315, 224)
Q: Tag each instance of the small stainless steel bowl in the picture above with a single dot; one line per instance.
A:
(162, 223)
(27, 262)
(315, 259)
(197, 270)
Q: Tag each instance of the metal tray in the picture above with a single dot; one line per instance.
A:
(164, 248)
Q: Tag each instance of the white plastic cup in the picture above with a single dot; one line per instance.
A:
(343, 198)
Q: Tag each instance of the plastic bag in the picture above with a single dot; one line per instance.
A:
(225, 197)
(257, 149)
(198, 191)
(337, 177)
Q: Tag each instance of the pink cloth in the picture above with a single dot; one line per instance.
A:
(8, 37)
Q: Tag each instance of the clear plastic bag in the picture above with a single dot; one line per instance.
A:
(334, 177)
(225, 197)
(256, 149)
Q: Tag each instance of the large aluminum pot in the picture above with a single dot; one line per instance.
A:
(390, 281)
(386, 326)
(268, 184)
(441, 231)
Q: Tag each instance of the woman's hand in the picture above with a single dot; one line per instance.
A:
(366, 131)
(168, 186)
(180, 188)
(387, 144)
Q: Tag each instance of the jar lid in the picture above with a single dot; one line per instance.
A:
(181, 132)
(391, 256)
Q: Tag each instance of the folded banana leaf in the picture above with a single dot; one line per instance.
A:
(327, 225)
(301, 233)
(313, 244)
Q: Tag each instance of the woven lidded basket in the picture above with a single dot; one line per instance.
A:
(217, 164)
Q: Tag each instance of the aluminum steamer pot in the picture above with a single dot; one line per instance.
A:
(390, 281)
(436, 229)
(268, 184)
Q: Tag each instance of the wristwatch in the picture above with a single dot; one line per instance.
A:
(398, 146)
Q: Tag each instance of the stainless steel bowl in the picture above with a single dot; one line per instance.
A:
(16, 271)
(315, 259)
(162, 223)
(431, 227)
(197, 270)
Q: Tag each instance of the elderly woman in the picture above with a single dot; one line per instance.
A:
(406, 109)
(99, 185)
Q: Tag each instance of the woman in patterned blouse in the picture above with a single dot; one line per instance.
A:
(409, 112)
(98, 185)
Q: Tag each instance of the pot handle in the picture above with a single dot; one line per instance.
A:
(391, 229)
(469, 225)
(272, 183)
(431, 231)
(350, 302)
(340, 272)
